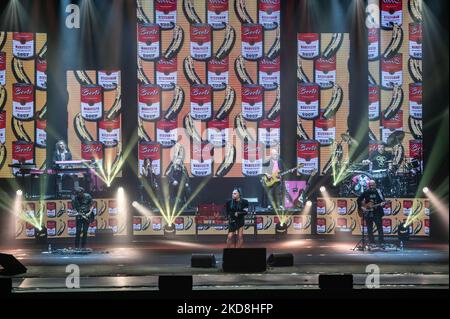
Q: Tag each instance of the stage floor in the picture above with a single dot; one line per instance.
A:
(136, 266)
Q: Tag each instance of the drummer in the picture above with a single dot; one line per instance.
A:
(380, 158)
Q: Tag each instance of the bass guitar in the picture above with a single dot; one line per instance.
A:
(275, 178)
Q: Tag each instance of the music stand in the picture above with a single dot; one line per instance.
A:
(361, 244)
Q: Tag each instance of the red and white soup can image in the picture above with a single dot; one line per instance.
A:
(391, 13)
(416, 149)
(23, 45)
(308, 156)
(201, 102)
(252, 159)
(321, 225)
(325, 130)
(2, 68)
(391, 125)
(415, 40)
(51, 228)
(269, 13)
(109, 132)
(252, 102)
(373, 37)
(167, 133)
(201, 41)
(252, 41)
(217, 13)
(166, 73)
(149, 41)
(387, 225)
(91, 102)
(3, 127)
(374, 102)
(269, 73)
(71, 227)
(218, 73)
(166, 13)
(23, 101)
(151, 150)
(269, 132)
(22, 152)
(218, 132)
(415, 100)
(51, 209)
(308, 100)
(201, 159)
(108, 79)
(392, 71)
(308, 45)
(41, 133)
(149, 102)
(41, 74)
(92, 151)
(325, 72)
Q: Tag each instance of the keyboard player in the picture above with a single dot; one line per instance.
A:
(62, 154)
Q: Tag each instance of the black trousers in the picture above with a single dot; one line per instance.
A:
(82, 229)
(274, 195)
(377, 219)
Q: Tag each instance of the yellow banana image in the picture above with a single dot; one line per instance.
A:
(19, 72)
(241, 129)
(415, 10)
(142, 78)
(191, 130)
(228, 161)
(301, 132)
(142, 18)
(176, 105)
(115, 110)
(334, 45)
(276, 107)
(143, 136)
(176, 44)
(42, 114)
(395, 104)
(274, 50)
(43, 52)
(3, 155)
(399, 154)
(241, 71)
(240, 6)
(415, 127)
(335, 102)
(372, 80)
(395, 44)
(3, 97)
(83, 78)
(190, 13)
(330, 227)
(415, 70)
(189, 71)
(301, 75)
(19, 130)
(227, 44)
(418, 227)
(3, 37)
(81, 129)
(228, 103)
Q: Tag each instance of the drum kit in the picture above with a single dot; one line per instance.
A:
(396, 181)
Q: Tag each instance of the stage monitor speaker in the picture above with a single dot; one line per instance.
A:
(175, 284)
(336, 282)
(281, 260)
(104, 235)
(244, 260)
(203, 261)
(10, 266)
(5, 286)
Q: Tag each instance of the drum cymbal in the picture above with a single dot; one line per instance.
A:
(395, 138)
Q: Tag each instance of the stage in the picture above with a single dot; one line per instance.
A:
(136, 266)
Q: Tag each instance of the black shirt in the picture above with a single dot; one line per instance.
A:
(380, 161)
(82, 205)
(176, 174)
(376, 196)
(240, 207)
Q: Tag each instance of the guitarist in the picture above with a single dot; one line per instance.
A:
(370, 197)
(83, 204)
(272, 168)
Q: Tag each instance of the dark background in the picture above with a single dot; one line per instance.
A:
(109, 41)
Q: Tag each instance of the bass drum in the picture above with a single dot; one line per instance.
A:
(360, 183)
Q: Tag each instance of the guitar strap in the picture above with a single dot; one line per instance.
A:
(381, 195)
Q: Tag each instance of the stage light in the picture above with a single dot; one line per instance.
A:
(19, 192)
(323, 189)
(425, 190)
(309, 203)
(134, 204)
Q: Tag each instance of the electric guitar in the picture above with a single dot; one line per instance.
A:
(89, 216)
(275, 178)
(370, 207)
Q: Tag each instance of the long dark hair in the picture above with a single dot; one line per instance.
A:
(236, 204)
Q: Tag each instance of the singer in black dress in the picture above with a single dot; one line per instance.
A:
(236, 209)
